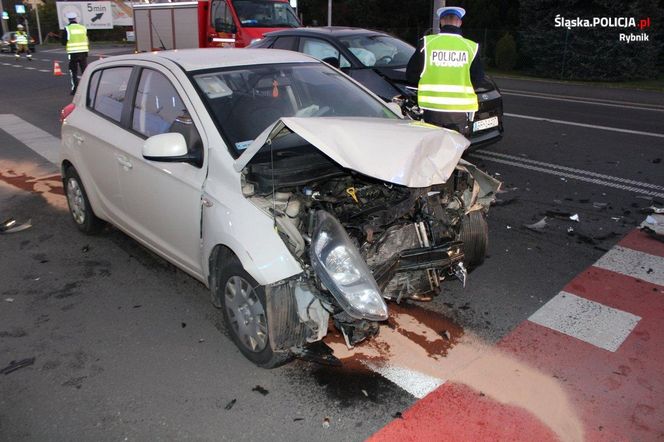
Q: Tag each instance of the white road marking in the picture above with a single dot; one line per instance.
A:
(597, 324)
(633, 263)
(571, 169)
(592, 101)
(586, 179)
(416, 383)
(591, 126)
(44, 70)
(35, 138)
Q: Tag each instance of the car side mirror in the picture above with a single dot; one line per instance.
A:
(168, 147)
(394, 107)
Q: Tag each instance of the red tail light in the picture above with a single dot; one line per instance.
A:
(64, 113)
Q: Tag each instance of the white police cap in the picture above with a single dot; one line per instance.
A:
(451, 10)
(71, 15)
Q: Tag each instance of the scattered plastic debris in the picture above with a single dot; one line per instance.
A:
(9, 299)
(570, 229)
(364, 392)
(600, 206)
(17, 365)
(655, 223)
(200, 341)
(656, 210)
(446, 334)
(261, 390)
(539, 225)
(616, 218)
(230, 404)
(326, 422)
(85, 248)
(10, 226)
(575, 217)
(563, 179)
(509, 227)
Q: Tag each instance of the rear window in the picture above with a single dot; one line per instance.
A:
(109, 91)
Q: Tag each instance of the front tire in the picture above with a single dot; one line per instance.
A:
(79, 205)
(475, 236)
(244, 308)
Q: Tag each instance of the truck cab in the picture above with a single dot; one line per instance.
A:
(238, 23)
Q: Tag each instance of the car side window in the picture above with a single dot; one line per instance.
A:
(222, 18)
(321, 50)
(92, 88)
(111, 91)
(287, 43)
(157, 104)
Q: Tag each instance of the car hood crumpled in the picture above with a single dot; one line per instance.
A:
(404, 152)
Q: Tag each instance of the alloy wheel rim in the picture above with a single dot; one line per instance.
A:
(246, 314)
(76, 201)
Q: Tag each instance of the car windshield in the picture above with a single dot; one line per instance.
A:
(265, 14)
(245, 101)
(378, 50)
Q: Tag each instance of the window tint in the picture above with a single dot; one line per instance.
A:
(111, 92)
(157, 104)
(287, 43)
(92, 90)
(321, 50)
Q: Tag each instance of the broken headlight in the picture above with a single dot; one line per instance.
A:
(344, 273)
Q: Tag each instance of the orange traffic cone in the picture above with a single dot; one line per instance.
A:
(56, 69)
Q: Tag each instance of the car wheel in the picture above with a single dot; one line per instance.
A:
(475, 236)
(243, 305)
(79, 205)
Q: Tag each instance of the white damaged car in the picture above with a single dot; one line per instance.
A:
(290, 190)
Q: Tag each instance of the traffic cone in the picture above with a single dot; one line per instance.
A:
(56, 69)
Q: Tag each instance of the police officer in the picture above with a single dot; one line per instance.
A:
(75, 38)
(21, 39)
(445, 67)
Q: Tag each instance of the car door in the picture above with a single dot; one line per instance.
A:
(163, 199)
(98, 135)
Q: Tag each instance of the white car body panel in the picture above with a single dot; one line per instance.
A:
(386, 149)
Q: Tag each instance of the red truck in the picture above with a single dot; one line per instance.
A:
(208, 23)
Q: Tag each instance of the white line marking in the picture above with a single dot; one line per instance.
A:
(415, 383)
(644, 266)
(593, 101)
(571, 169)
(35, 138)
(30, 68)
(44, 70)
(597, 324)
(572, 176)
(591, 126)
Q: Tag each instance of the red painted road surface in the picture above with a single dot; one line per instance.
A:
(606, 395)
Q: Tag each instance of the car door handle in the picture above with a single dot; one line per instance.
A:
(124, 162)
(79, 139)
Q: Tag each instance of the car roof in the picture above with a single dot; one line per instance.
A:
(209, 58)
(329, 31)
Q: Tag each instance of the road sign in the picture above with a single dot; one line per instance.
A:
(20, 9)
(93, 15)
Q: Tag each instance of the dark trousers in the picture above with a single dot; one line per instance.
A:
(458, 121)
(76, 60)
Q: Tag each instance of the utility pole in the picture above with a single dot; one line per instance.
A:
(36, 8)
(435, 23)
(2, 19)
(329, 12)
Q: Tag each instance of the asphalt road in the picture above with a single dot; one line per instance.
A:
(127, 347)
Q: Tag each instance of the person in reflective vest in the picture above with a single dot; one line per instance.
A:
(75, 39)
(21, 40)
(445, 68)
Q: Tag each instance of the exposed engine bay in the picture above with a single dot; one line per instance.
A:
(395, 241)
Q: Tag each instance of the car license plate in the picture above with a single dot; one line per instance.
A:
(485, 124)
